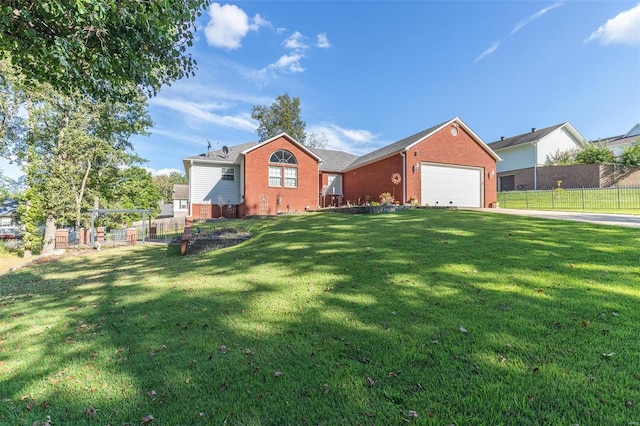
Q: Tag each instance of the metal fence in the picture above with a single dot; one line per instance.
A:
(612, 198)
(158, 230)
(161, 230)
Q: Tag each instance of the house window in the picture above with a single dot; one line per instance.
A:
(275, 176)
(228, 173)
(182, 204)
(290, 177)
(280, 175)
(283, 156)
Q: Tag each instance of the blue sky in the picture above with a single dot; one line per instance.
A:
(371, 72)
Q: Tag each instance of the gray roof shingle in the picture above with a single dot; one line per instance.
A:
(180, 192)
(218, 156)
(334, 161)
(523, 138)
(394, 148)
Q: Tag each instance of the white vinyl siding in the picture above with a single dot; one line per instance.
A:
(208, 186)
(520, 157)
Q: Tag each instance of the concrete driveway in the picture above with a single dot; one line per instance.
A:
(632, 221)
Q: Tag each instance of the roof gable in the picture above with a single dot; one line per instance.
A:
(635, 131)
(534, 135)
(406, 143)
(290, 139)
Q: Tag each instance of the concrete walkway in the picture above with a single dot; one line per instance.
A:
(632, 221)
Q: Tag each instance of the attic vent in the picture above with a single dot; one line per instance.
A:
(533, 130)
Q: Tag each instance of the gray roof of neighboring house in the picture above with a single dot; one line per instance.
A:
(334, 161)
(394, 148)
(180, 192)
(166, 210)
(8, 208)
(523, 138)
(628, 138)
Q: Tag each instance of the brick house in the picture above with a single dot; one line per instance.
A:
(445, 165)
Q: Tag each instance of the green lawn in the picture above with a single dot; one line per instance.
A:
(423, 316)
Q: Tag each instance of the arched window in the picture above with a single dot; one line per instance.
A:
(282, 176)
(283, 156)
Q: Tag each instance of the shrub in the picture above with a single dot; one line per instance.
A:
(386, 198)
(595, 153)
(562, 158)
(631, 155)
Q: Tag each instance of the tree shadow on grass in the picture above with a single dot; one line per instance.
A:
(329, 319)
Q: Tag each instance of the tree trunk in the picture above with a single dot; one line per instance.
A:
(49, 235)
(80, 196)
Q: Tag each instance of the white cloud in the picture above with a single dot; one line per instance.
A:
(322, 41)
(164, 172)
(533, 17)
(488, 51)
(355, 141)
(295, 42)
(176, 136)
(624, 28)
(202, 112)
(228, 25)
(289, 63)
(259, 21)
(356, 135)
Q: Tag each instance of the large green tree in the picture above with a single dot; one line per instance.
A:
(283, 116)
(100, 48)
(165, 184)
(72, 150)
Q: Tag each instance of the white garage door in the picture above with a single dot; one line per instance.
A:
(444, 185)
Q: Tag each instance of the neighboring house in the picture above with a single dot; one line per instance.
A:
(445, 165)
(180, 200)
(523, 154)
(8, 214)
(166, 211)
(617, 144)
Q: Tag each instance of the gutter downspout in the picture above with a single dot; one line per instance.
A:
(404, 178)
(190, 179)
(535, 166)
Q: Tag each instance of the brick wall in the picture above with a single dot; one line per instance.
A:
(441, 147)
(574, 176)
(261, 199)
